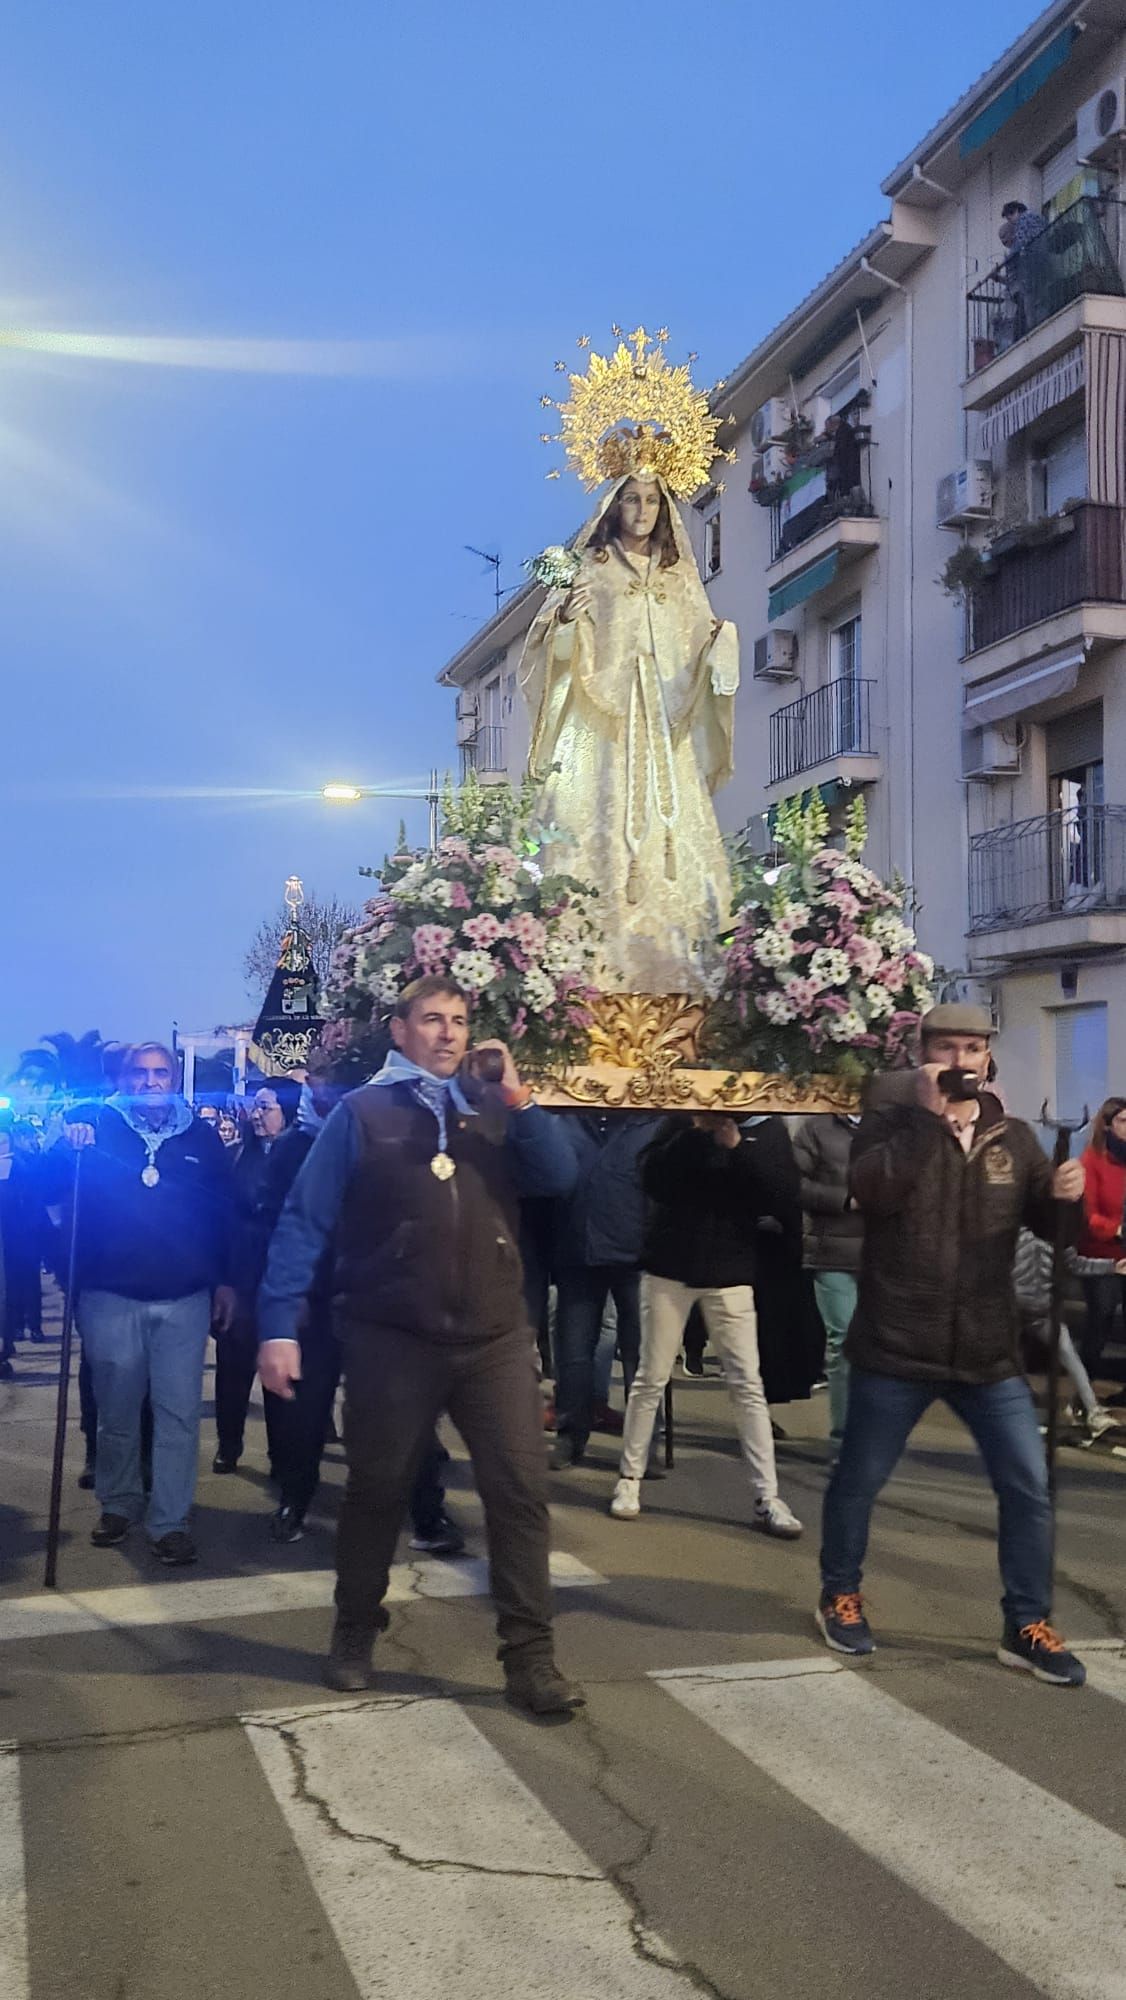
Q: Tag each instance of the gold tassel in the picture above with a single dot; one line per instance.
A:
(633, 883)
(670, 856)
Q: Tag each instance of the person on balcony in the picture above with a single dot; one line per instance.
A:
(842, 474)
(1020, 227)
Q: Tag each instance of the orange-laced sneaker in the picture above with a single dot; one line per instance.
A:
(1038, 1649)
(842, 1624)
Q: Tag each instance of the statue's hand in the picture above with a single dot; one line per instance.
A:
(576, 601)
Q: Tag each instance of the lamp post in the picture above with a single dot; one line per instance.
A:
(342, 794)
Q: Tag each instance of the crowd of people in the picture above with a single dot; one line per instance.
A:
(411, 1221)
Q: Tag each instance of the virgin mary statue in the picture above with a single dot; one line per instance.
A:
(631, 682)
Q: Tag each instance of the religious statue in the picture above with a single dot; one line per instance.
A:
(631, 680)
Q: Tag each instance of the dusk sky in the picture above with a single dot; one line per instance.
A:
(220, 588)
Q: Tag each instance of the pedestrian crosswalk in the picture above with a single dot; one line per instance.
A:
(193, 1601)
(455, 1848)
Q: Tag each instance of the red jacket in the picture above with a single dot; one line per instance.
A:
(1103, 1205)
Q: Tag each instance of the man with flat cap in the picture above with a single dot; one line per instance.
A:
(944, 1181)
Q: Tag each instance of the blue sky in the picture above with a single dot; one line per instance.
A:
(237, 583)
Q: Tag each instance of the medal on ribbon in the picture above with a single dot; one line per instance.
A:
(151, 1175)
(442, 1167)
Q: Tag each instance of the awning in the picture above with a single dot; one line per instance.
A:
(1019, 93)
(1025, 687)
(831, 794)
(801, 586)
(1042, 391)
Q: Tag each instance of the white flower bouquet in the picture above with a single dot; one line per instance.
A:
(821, 971)
(481, 908)
(555, 568)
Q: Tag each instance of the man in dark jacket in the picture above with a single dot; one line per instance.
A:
(834, 1232)
(707, 1188)
(597, 1257)
(418, 1191)
(153, 1261)
(944, 1181)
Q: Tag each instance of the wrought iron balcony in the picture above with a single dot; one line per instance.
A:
(1076, 254)
(1080, 561)
(833, 721)
(832, 481)
(485, 751)
(1061, 864)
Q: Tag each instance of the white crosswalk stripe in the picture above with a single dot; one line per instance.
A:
(1024, 1873)
(13, 1892)
(193, 1601)
(440, 1871)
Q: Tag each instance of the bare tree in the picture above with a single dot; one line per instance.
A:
(323, 923)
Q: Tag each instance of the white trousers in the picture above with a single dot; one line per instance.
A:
(729, 1315)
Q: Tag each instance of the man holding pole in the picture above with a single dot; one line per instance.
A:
(415, 1186)
(944, 1181)
(151, 1240)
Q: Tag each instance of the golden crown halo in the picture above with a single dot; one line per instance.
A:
(631, 413)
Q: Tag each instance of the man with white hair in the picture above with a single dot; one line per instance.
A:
(154, 1223)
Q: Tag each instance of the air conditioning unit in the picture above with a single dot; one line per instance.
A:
(965, 495)
(771, 423)
(993, 751)
(468, 717)
(769, 468)
(1101, 123)
(776, 655)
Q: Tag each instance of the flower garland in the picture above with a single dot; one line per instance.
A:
(822, 972)
(482, 910)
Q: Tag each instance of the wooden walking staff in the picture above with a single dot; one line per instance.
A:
(55, 1509)
(1065, 1130)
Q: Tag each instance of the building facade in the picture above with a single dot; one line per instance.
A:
(923, 544)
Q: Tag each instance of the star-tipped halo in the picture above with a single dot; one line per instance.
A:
(633, 413)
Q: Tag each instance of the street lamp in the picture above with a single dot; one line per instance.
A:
(342, 794)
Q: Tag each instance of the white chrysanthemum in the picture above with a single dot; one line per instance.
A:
(440, 892)
(386, 982)
(846, 1027)
(879, 1002)
(409, 882)
(473, 969)
(501, 894)
(773, 948)
(537, 990)
(777, 1009)
(925, 967)
(563, 954)
(829, 967)
(890, 932)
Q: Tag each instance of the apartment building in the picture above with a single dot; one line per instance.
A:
(923, 543)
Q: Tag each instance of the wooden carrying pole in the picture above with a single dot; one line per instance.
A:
(51, 1571)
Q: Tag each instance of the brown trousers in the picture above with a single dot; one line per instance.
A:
(396, 1386)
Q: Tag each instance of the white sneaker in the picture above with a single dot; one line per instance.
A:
(775, 1518)
(626, 1504)
(1099, 1421)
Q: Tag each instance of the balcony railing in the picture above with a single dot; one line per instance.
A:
(1080, 562)
(1075, 255)
(833, 721)
(831, 480)
(485, 751)
(1060, 864)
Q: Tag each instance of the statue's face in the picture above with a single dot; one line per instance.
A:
(639, 504)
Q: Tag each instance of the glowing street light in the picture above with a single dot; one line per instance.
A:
(342, 794)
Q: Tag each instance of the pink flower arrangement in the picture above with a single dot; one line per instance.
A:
(482, 908)
(821, 971)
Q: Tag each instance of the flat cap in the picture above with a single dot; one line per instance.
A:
(957, 1017)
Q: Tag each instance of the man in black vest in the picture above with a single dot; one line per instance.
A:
(417, 1189)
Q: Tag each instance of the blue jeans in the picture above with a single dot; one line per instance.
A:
(1001, 1417)
(835, 1292)
(583, 1292)
(153, 1346)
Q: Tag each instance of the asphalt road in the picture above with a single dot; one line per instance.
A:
(735, 1813)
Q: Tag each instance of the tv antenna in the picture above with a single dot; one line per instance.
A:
(494, 563)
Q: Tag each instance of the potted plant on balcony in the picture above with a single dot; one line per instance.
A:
(963, 571)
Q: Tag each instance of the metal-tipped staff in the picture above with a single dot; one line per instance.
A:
(51, 1570)
(1065, 1130)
